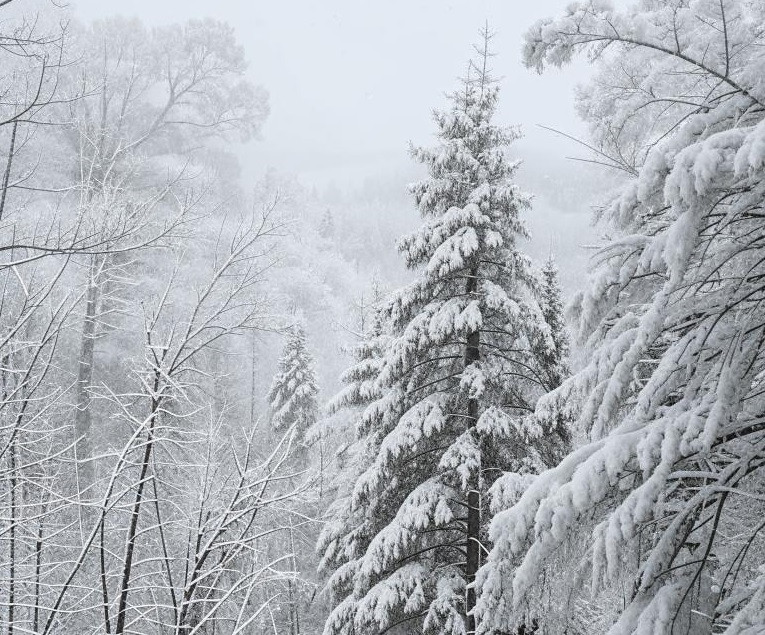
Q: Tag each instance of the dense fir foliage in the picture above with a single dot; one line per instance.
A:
(654, 524)
(448, 391)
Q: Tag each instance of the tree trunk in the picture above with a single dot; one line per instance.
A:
(82, 417)
(12, 538)
(38, 562)
(293, 594)
(472, 537)
(130, 543)
(7, 174)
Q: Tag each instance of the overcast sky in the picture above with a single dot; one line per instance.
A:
(351, 81)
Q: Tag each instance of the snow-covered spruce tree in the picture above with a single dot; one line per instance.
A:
(293, 393)
(451, 391)
(661, 507)
(553, 359)
(294, 412)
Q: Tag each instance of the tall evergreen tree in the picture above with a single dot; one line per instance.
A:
(293, 393)
(458, 374)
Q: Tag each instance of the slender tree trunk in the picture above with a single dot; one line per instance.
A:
(472, 537)
(8, 165)
(12, 520)
(294, 608)
(104, 579)
(321, 466)
(291, 605)
(82, 417)
(38, 563)
(253, 381)
(12, 538)
(130, 543)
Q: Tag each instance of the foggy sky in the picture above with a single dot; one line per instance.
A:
(352, 82)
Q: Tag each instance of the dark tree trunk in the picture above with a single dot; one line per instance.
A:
(472, 538)
(132, 536)
(9, 163)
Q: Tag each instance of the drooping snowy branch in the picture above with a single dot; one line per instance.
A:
(671, 393)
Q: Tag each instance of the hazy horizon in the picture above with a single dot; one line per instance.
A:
(351, 84)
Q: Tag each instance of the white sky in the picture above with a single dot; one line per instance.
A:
(353, 81)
